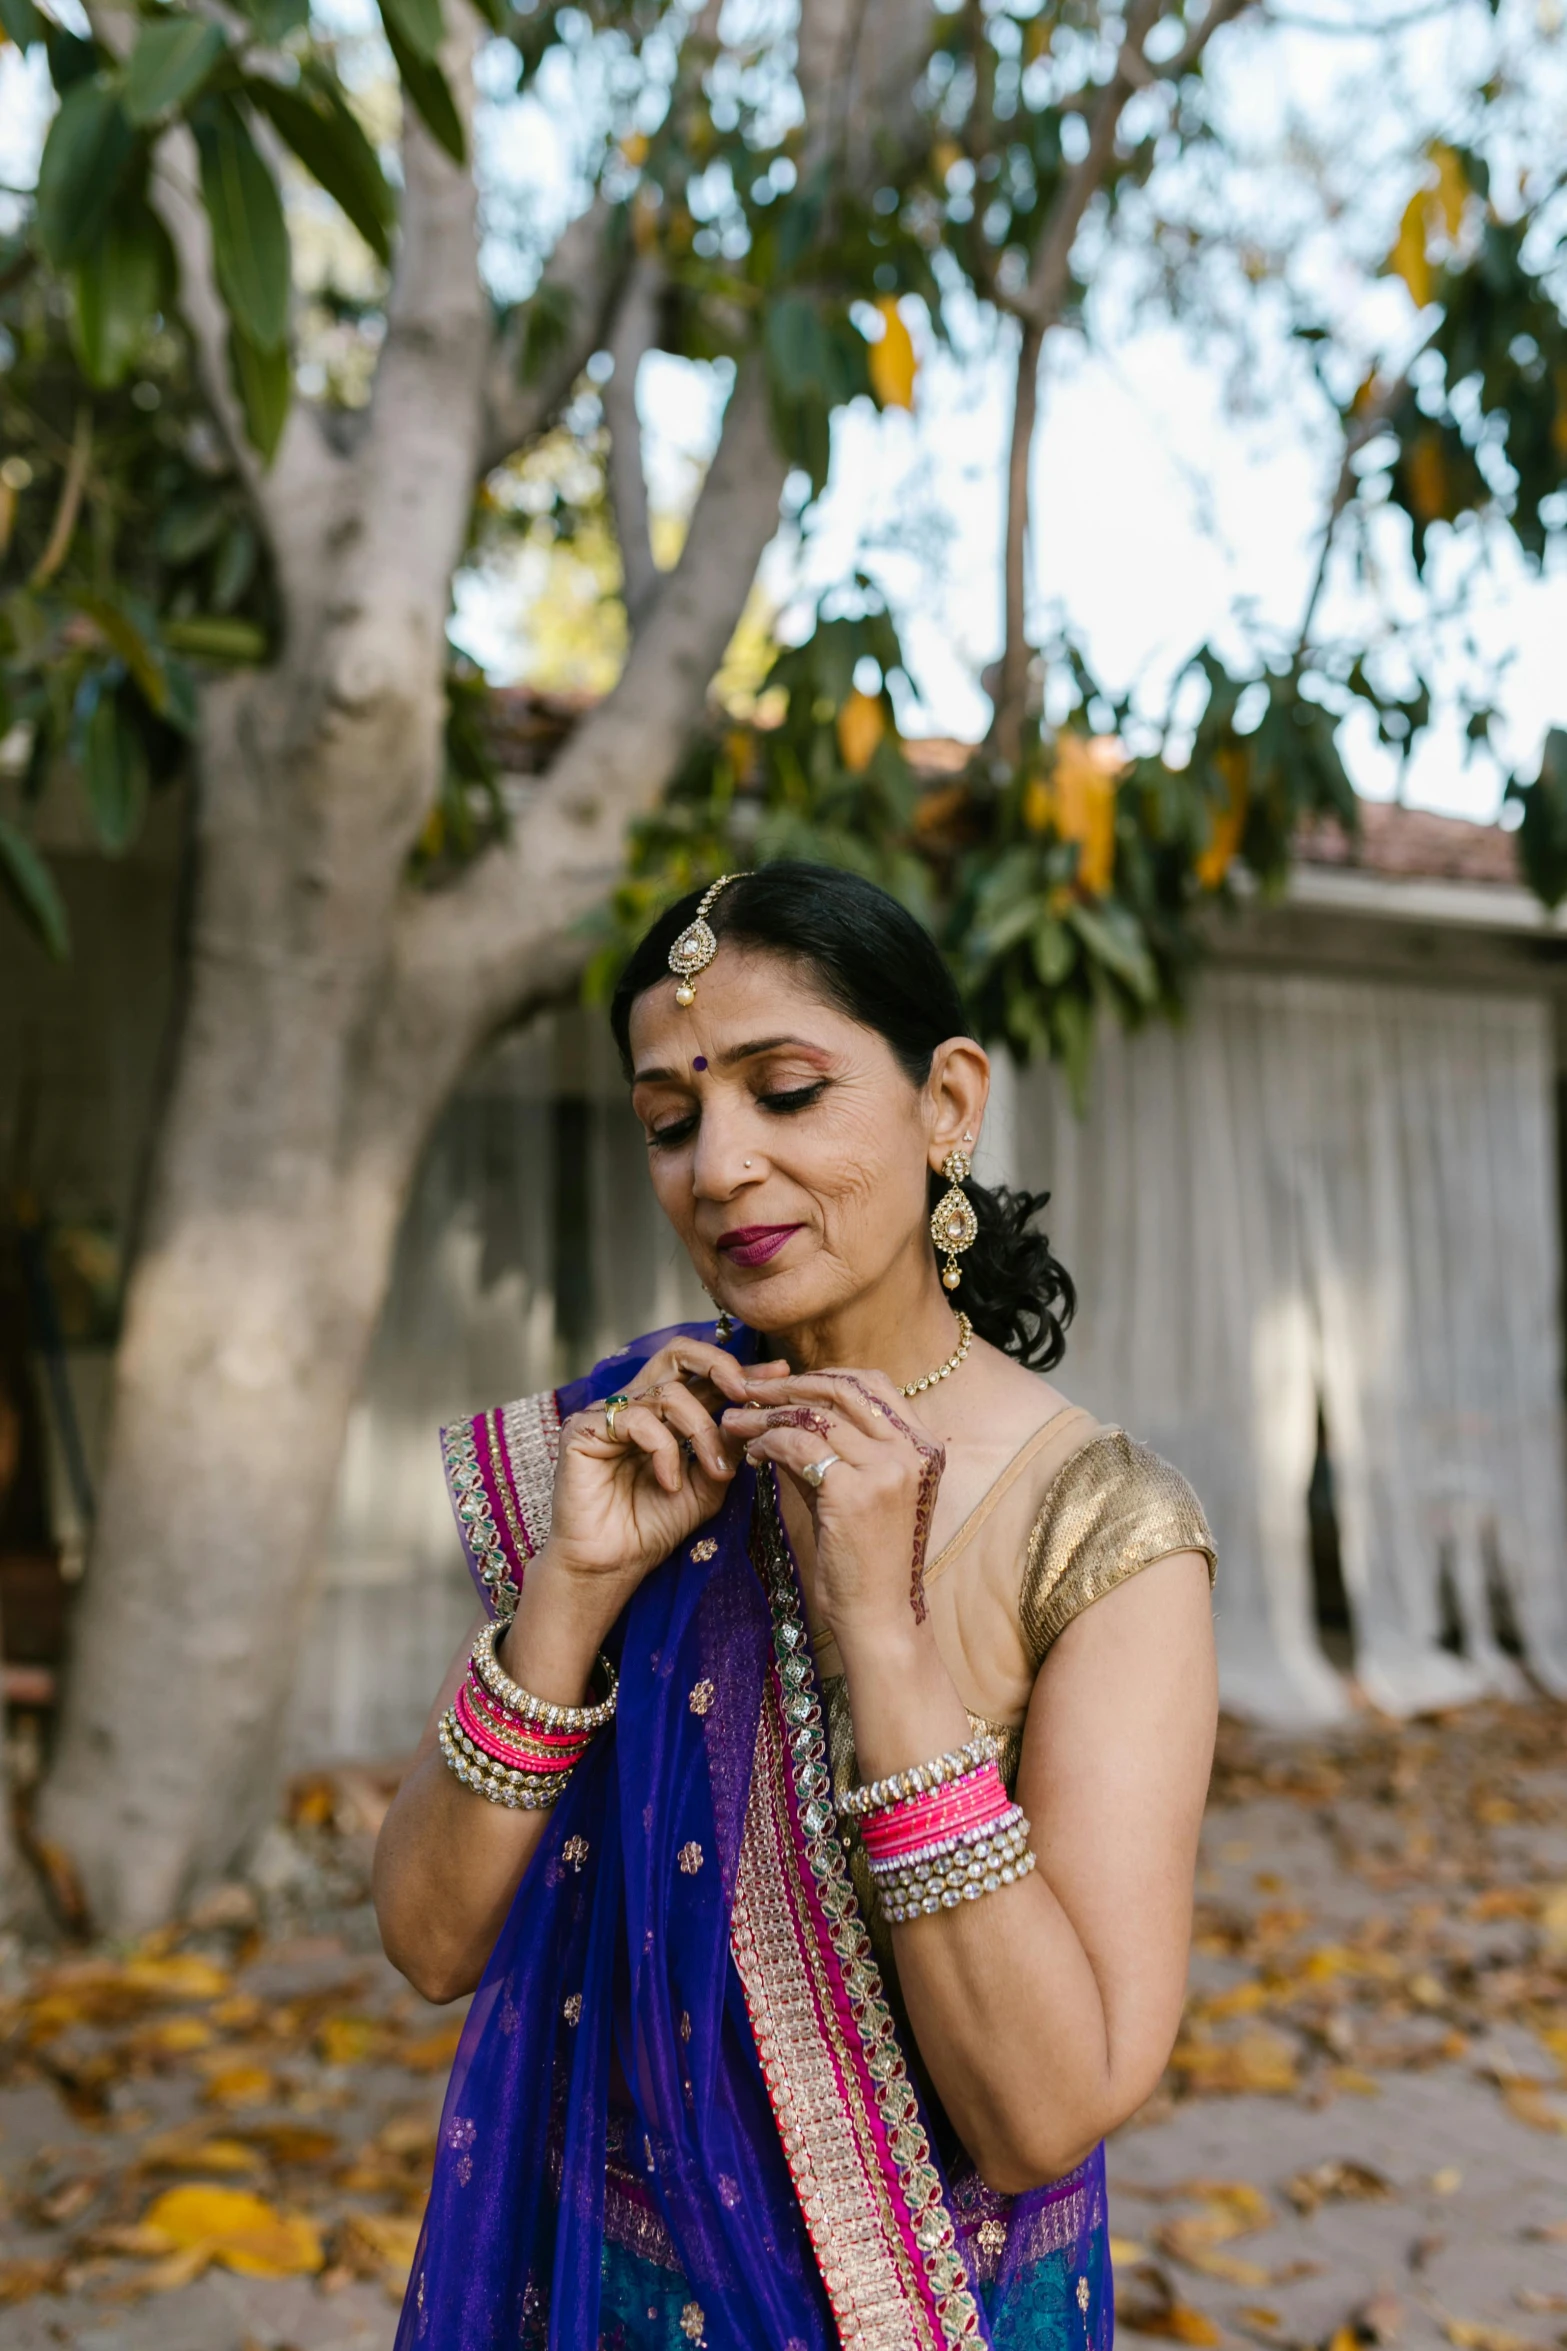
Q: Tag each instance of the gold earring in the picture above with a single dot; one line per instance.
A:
(953, 1224)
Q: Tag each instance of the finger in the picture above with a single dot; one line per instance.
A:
(827, 1431)
(842, 1395)
(695, 1359)
(685, 1413)
(638, 1427)
(794, 1449)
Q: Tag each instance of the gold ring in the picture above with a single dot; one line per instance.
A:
(613, 1407)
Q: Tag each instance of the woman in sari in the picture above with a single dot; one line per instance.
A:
(816, 1812)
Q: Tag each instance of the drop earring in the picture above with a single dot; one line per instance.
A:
(953, 1225)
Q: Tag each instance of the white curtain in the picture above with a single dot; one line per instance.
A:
(1336, 1196)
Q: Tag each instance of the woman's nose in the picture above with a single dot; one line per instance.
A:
(723, 1164)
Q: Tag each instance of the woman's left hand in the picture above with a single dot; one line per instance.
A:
(872, 1510)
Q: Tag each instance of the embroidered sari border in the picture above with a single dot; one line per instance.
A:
(870, 2189)
(500, 1471)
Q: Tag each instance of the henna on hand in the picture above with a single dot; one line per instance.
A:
(798, 1416)
(933, 1460)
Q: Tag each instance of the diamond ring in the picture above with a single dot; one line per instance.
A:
(814, 1471)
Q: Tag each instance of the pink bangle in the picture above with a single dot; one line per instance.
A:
(488, 1708)
(971, 1802)
(516, 1753)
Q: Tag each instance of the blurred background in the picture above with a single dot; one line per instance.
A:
(468, 474)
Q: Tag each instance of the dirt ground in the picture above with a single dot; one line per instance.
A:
(220, 2140)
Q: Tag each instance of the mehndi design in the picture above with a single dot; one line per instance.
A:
(933, 1459)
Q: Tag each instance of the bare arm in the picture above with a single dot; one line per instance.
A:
(448, 1863)
(1046, 2011)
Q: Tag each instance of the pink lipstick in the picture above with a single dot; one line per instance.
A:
(753, 1244)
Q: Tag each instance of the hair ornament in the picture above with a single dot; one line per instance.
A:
(696, 946)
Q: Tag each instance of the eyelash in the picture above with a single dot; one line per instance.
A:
(781, 1105)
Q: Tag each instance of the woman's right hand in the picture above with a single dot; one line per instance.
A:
(624, 1502)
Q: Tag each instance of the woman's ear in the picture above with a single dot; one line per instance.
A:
(956, 1093)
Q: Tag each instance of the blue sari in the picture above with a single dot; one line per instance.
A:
(680, 2115)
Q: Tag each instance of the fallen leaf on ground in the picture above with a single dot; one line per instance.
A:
(1530, 2298)
(1479, 2335)
(240, 2085)
(432, 2052)
(378, 2245)
(21, 2280)
(1532, 2103)
(1147, 2304)
(194, 2150)
(241, 2230)
(1125, 2252)
(349, 2040)
(1261, 2061)
(1336, 2182)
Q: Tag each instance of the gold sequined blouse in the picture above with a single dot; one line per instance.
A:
(1078, 1510)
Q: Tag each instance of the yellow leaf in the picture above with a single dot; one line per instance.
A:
(240, 2085)
(1476, 2335)
(348, 2040)
(21, 2280)
(1408, 257)
(1125, 2252)
(634, 148)
(1227, 826)
(1532, 2103)
(862, 722)
(944, 155)
(1452, 188)
(191, 2151)
(1554, 2038)
(1261, 2060)
(892, 363)
(176, 2036)
(182, 1976)
(241, 2230)
(1553, 1922)
(433, 2051)
(1077, 798)
(379, 2245)
(1425, 478)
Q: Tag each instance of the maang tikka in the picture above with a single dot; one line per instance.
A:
(953, 1225)
(696, 946)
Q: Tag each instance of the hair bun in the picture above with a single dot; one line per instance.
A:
(1015, 1293)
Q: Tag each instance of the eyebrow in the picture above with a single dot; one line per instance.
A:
(746, 1052)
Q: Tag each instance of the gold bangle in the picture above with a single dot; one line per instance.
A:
(919, 1779)
(522, 1702)
(519, 1791)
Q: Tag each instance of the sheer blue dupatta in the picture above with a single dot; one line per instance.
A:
(611, 1984)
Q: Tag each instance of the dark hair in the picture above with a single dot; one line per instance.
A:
(869, 956)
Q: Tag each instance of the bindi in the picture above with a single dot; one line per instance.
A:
(700, 1062)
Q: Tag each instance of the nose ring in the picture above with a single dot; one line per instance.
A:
(748, 1163)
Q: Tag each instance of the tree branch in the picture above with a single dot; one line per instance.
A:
(1006, 730)
(584, 275)
(414, 468)
(1039, 308)
(491, 943)
(633, 333)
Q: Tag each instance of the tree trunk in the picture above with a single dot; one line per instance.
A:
(271, 1226)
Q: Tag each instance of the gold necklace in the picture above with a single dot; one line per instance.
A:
(945, 1370)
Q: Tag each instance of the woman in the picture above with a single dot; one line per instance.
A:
(779, 2042)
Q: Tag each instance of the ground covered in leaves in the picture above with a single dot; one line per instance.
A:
(221, 2140)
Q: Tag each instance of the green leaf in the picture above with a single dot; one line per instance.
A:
(113, 761)
(1053, 951)
(1115, 939)
(133, 632)
(89, 144)
(235, 567)
(315, 120)
(264, 381)
(117, 291)
(172, 58)
(33, 886)
(428, 92)
(249, 236)
(206, 637)
(22, 22)
(418, 24)
(274, 20)
(1541, 839)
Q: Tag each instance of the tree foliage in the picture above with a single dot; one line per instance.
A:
(1066, 877)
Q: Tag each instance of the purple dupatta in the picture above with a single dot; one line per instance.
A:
(684, 2001)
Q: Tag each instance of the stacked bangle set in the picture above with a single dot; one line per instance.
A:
(943, 1833)
(509, 1746)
